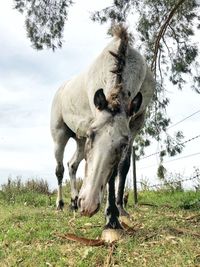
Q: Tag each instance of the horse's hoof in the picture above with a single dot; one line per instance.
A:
(126, 220)
(122, 211)
(60, 205)
(74, 204)
(73, 208)
(112, 235)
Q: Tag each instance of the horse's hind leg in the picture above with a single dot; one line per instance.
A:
(124, 165)
(60, 139)
(73, 166)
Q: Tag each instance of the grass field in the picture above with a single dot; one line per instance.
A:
(166, 232)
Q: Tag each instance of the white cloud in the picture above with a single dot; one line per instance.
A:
(198, 2)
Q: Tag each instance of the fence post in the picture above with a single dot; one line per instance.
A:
(134, 177)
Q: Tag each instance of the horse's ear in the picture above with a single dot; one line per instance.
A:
(135, 104)
(100, 101)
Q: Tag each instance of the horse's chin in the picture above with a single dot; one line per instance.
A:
(90, 213)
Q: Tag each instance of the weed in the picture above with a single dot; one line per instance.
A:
(33, 192)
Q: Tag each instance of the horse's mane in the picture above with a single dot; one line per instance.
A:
(119, 32)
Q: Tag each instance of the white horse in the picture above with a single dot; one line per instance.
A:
(103, 108)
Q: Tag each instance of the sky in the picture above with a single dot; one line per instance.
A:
(29, 80)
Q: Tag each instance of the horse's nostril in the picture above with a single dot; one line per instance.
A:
(79, 202)
(98, 207)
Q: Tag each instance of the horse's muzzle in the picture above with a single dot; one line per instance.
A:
(88, 210)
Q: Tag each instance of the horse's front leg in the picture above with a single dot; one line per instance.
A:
(113, 229)
(123, 169)
(60, 139)
(73, 166)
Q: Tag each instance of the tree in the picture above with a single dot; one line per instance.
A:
(166, 29)
(44, 21)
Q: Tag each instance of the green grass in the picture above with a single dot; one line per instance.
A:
(29, 233)
(187, 199)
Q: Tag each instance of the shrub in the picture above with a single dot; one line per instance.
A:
(67, 189)
(33, 192)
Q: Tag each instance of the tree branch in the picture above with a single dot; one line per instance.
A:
(161, 34)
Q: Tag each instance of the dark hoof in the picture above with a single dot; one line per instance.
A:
(122, 212)
(74, 204)
(60, 205)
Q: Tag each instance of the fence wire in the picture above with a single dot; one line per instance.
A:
(197, 176)
(183, 143)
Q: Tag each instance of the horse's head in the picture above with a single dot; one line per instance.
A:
(107, 137)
